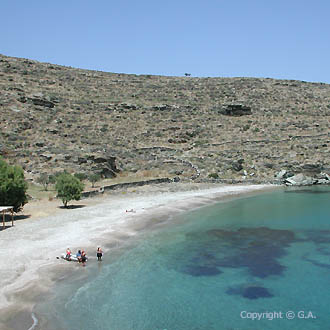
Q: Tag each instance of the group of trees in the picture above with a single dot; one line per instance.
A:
(45, 179)
(13, 186)
(69, 187)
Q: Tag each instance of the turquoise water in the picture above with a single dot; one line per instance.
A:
(212, 267)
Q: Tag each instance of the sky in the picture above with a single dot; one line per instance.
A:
(284, 39)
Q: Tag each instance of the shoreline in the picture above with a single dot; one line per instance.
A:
(34, 243)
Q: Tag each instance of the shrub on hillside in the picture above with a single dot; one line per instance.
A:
(214, 175)
(68, 188)
(52, 179)
(44, 180)
(12, 186)
(93, 178)
(81, 176)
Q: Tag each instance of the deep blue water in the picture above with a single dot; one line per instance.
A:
(211, 267)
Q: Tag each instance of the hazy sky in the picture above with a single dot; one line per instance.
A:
(287, 39)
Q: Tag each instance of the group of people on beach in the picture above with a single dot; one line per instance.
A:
(81, 255)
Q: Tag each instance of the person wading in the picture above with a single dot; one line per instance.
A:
(99, 254)
(83, 258)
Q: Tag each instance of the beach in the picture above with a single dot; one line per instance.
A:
(30, 250)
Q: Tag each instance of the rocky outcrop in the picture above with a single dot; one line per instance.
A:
(38, 99)
(42, 102)
(237, 165)
(312, 168)
(104, 165)
(236, 110)
(300, 175)
(323, 178)
(299, 180)
(164, 107)
(304, 180)
(46, 156)
(281, 175)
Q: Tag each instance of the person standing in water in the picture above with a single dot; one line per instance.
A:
(83, 258)
(99, 254)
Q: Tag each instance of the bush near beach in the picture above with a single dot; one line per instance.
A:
(93, 178)
(12, 186)
(68, 188)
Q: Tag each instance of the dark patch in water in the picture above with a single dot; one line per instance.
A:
(250, 292)
(257, 249)
(201, 270)
(255, 292)
(254, 248)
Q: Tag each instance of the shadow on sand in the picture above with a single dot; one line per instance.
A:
(21, 217)
(5, 227)
(71, 207)
(8, 222)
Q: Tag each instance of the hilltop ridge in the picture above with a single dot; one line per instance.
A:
(55, 117)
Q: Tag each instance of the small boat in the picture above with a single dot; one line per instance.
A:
(72, 258)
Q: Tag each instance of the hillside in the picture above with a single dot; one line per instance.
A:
(55, 117)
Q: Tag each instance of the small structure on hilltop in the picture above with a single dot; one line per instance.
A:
(3, 210)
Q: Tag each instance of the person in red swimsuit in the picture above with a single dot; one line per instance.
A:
(68, 254)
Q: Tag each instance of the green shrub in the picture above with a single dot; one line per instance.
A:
(81, 176)
(57, 174)
(44, 180)
(68, 188)
(52, 178)
(213, 175)
(93, 178)
(12, 186)
(246, 127)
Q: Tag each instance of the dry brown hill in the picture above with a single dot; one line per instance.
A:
(55, 117)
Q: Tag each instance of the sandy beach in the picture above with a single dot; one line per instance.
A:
(29, 250)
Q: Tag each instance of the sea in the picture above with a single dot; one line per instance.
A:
(254, 262)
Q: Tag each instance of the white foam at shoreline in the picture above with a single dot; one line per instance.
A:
(35, 321)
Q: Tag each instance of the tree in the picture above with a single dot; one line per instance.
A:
(52, 179)
(93, 178)
(214, 175)
(12, 186)
(68, 188)
(44, 179)
(81, 176)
